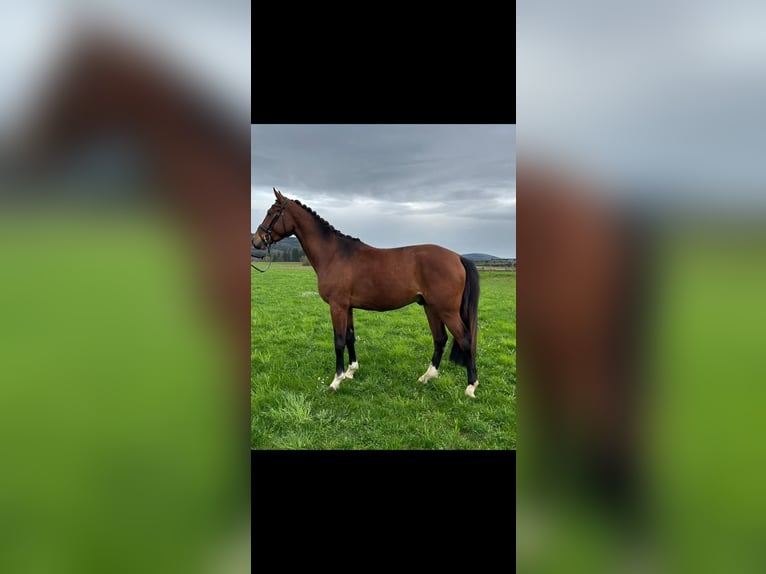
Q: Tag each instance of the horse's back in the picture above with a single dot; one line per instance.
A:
(427, 252)
(423, 260)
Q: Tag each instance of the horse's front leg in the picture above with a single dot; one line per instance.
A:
(353, 365)
(339, 323)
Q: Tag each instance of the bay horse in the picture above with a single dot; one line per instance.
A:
(109, 88)
(196, 159)
(583, 292)
(353, 275)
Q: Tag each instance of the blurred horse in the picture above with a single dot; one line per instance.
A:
(579, 295)
(105, 89)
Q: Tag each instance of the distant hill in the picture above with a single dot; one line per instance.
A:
(286, 244)
(288, 249)
(479, 256)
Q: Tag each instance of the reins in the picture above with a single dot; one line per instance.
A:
(268, 254)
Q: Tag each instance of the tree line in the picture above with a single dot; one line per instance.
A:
(292, 254)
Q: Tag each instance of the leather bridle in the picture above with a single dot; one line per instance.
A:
(267, 235)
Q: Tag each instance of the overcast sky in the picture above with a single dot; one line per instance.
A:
(208, 41)
(394, 185)
(651, 93)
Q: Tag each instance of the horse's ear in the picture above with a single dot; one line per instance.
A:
(278, 194)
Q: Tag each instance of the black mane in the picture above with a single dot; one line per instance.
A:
(324, 224)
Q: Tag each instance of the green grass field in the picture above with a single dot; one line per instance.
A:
(121, 451)
(701, 408)
(383, 407)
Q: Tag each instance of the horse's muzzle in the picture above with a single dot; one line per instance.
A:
(258, 244)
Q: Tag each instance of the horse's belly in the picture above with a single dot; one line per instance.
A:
(384, 301)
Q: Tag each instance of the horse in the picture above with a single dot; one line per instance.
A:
(581, 318)
(197, 162)
(353, 275)
(198, 171)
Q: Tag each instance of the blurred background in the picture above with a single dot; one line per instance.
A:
(642, 251)
(124, 178)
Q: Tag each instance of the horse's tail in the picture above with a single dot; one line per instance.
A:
(469, 307)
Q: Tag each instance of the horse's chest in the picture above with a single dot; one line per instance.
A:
(334, 287)
(325, 290)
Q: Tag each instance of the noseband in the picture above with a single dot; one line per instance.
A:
(267, 234)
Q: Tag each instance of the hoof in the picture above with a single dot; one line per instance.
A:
(431, 373)
(471, 389)
(336, 381)
(335, 384)
(349, 374)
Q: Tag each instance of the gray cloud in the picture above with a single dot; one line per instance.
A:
(647, 94)
(208, 42)
(454, 185)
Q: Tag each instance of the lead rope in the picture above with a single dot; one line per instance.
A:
(268, 254)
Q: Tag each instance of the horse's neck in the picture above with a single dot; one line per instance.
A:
(319, 247)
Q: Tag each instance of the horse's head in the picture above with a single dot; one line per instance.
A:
(277, 224)
(86, 97)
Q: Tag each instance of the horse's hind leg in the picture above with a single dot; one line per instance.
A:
(353, 365)
(461, 351)
(439, 334)
(339, 324)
